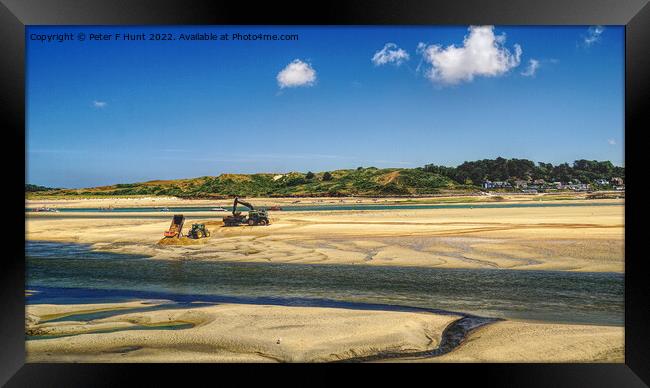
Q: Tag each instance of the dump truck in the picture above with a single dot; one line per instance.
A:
(176, 228)
(255, 216)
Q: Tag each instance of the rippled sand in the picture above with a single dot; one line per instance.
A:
(571, 238)
(237, 333)
(263, 333)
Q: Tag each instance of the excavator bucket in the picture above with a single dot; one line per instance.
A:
(176, 227)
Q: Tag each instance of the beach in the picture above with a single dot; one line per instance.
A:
(565, 238)
(529, 342)
(573, 238)
(263, 333)
(71, 202)
(251, 333)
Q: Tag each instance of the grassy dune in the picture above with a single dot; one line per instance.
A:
(364, 181)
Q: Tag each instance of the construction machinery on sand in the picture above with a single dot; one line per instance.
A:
(198, 231)
(176, 229)
(254, 217)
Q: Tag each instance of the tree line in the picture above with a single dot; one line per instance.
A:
(29, 188)
(508, 170)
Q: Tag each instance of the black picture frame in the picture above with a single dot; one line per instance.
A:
(16, 14)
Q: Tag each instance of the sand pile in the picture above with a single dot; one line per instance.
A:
(183, 241)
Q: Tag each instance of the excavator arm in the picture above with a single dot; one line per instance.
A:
(237, 201)
(255, 217)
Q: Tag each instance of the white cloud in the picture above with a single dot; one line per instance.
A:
(296, 73)
(593, 35)
(482, 54)
(99, 104)
(611, 142)
(530, 71)
(390, 54)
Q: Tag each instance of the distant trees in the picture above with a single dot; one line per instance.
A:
(327, 176)
(501, 169)
(310, 175)
(29, 188)
(562, 173)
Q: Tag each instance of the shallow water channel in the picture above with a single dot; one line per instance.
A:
(72, 273)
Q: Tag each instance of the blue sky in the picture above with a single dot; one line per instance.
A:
(108, 112)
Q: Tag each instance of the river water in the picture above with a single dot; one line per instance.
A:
(73, 273)
(347, 207)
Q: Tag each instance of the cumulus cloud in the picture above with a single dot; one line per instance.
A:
(390, 54)
(593, 35)
(530, 71)
(482, 54)
(296, 73)
(99, 104)
(611, 141)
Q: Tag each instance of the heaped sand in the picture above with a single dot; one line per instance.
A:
(568, 238)
(231, 333)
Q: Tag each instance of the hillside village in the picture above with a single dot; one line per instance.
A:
(541, 186)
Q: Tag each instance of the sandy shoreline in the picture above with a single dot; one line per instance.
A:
(263, 333)
(567, 238)
(522, 342)
(69, 203)
(252, 333)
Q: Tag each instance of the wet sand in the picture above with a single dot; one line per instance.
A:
(262, 333)
(567, 238)
(236, 333)
(39, 312)
(515, 341)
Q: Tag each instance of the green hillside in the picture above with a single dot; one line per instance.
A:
(362, 181)
(371, 181)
